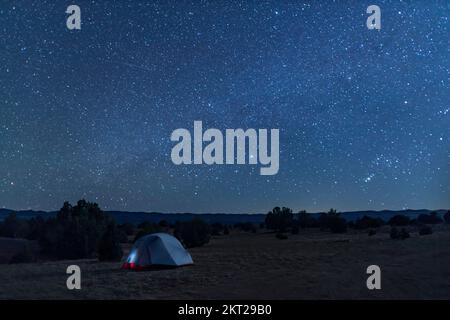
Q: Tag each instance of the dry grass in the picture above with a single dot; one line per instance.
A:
(312, 265)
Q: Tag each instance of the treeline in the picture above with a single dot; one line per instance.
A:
(76, 232)
(194, 233)
(85, 231)
(282, 220)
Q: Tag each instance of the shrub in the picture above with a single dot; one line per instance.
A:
(372, 232)
(109, 248)
(306, 220)
(279, 219)
(402, 234)
(128, 228)
(338, 225)
(124, 231)
(431, 218)
(149, 228)
(295, 229)
(281, 236)
(425, 230)
(226, 230)
(25, 256)
(333, 221)
(399, 220)
(13, 227)
(246, 226)
(145, 225)
(367, 222)
(122, 236)
(216, 229)
(394, 233)
(75, 231)
(37, 227)
(193, 233)
(447, 217)
(163, 224)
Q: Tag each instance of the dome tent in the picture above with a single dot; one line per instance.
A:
(157, 249)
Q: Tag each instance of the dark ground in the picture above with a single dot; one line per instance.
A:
(312, 265)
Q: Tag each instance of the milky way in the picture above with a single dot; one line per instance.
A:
(363, 114)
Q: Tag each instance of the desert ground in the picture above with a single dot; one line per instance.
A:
(311, 265)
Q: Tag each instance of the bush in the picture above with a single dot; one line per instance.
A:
(149, 228)
(226, 230)
(281, 236)
(338, 225)
(431, 218)
(75, 231)
(128, 228)
(306, 220)
(25, 256)
(372, 232)
(447, 217)
(37, 227)
(279, 219)
(163, 224)
(109, 248)
(217, 229)
(193, 233)
(122, 236)
(399, 220)
(333, 221)
(402, 234)
(246, 226)
(394, 233)
(425, 230)
(295, 229)
(144, 224)
(13, 227)
(367, 222)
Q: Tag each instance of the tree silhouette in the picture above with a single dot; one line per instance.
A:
(109, 248)
(193, 233)
(279, 219)
(333, 221)
(75, 231)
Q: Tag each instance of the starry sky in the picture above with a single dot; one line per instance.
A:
(364, 115)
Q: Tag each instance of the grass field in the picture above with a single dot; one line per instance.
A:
(311, 265)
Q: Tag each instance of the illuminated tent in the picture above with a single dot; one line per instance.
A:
(158, 249)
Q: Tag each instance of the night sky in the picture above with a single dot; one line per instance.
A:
(364, 115)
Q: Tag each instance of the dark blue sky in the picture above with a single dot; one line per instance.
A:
(364, 115)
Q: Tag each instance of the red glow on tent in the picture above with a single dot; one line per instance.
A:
(132, 266)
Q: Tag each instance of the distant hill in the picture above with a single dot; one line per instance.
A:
(138, 217)
(225, 218)
(26, 214)
(387, 214)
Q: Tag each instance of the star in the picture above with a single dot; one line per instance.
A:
(363, 115)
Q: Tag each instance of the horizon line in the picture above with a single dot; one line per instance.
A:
(231, 213)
